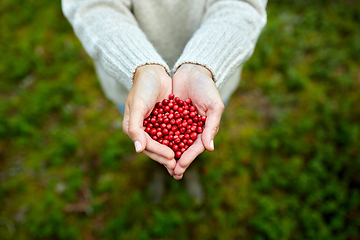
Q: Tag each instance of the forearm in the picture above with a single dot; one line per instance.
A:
(226, 38)
(111, 36)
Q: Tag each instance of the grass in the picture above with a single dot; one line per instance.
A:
(287, 155)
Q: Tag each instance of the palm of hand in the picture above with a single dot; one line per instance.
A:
(195, 82)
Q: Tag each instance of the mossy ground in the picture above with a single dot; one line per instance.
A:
(287, 157)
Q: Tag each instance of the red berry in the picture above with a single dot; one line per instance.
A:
(178, 121)
(159, 105)
(182, 129)
(177, 115)
(165, 102)
(193, 135)
(159, 134)
(174, 123)
(177, 140)
(175, 147)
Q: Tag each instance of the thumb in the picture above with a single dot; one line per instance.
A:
(134, 128)
(212, 126)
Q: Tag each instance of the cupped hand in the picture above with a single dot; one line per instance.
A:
(195, 82)
(151, 84)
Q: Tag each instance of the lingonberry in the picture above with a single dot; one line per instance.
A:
(174, 123)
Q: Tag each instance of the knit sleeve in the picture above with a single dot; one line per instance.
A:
(110, 34)
(226, 37)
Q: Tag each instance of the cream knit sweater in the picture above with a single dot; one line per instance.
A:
(121, 35)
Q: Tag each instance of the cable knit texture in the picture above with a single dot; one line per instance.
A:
(121, 35)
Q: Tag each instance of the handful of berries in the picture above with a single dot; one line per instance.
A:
(175, 123)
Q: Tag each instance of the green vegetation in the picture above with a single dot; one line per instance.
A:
(287, 157)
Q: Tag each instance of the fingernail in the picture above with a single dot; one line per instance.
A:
(212, 144)
(137, 146)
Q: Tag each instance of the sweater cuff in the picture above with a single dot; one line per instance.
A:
(221, 50)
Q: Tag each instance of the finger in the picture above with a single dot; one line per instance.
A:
(125, 123)
(212, 126)
(160, 159)
(178, 177)
(135, 128)
(170, 171)
(188, 157)
(159, 149)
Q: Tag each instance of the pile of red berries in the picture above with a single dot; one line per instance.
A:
(175, 123)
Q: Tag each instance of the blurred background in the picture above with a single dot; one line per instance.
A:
(287, 158)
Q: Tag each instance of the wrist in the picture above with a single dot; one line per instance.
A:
(152, 69)
(191, 68)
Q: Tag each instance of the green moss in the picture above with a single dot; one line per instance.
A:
(287, 155)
